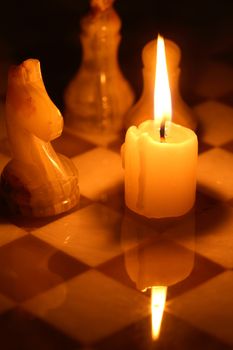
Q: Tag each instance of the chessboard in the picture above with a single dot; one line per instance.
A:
(73, 281)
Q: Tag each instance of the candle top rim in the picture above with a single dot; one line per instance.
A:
(150, 130)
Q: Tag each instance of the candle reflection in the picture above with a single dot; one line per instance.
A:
(157, 255)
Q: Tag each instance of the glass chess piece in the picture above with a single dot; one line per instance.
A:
(144, 107)
(37, 181)
(98, 97)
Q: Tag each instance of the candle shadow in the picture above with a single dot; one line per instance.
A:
(138, 230)
(209, 211)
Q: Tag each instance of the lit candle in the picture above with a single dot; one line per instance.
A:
(160, 157)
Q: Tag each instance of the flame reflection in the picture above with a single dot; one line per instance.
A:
(158, 299)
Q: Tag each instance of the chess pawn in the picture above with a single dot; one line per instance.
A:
(98, 97)
(144, 108)
(37, 181)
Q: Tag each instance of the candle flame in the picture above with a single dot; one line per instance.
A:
(162, 94)
(158, 299)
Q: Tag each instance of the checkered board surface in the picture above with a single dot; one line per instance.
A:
(72, 282)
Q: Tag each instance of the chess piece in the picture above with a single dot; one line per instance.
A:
(98, 97)
(37, 181)
(144, 108)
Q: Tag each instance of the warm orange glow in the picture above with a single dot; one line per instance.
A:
(162, 94)
(158, 299)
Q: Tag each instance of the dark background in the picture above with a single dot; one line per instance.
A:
(49, 30)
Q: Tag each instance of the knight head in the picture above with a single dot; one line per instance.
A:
(27, 103)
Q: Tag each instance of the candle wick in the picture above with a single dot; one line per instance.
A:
(162, 131)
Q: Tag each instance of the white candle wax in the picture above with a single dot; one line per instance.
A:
(160, 177)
